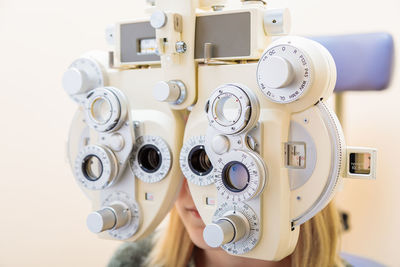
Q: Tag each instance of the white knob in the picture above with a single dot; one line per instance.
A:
(167, 91)
(158, 19)
(220, 144)
(74, 81)
(112, 217)
(278, 72)
(230, 228)
(219, 233)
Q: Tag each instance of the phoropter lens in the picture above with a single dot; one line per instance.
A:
(101, 110)
(92, 168)
(235, 176)
(228, 109)
(149, 158)
(199, 162)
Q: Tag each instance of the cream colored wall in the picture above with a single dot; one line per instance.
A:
(42, 221)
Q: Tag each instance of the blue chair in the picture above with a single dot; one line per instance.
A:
(364, 62)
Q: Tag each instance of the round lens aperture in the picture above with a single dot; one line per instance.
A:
(101, 110)
(228, 109)
(235, 176)
(92, 168)
(199, 162)
(149, 158)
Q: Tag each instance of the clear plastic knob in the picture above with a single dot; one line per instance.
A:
(228, 229)
(109, 218)
(279, 72)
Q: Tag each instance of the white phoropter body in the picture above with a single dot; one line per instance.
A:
(112, 129)
(279, 135)
(262, 153)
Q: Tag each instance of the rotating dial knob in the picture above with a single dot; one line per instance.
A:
(280, 72)
(83, 75)
(109, 218)
(228, 229)
(173, 92)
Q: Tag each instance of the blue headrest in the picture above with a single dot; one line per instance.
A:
(363, 61)
(358, 261)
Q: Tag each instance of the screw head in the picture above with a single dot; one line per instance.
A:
(180, 47)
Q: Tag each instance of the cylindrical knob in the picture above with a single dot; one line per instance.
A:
(112, 217)
(230, 228)
(277, 21)
(170, 92)
(279, 72)
(158, 19)
(219, 233)
(74, 81)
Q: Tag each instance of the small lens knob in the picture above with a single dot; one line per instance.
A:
(112, 217)
(230, 228)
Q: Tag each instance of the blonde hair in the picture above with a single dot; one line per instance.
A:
(318, 243)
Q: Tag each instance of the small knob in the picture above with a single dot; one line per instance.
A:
(227, 229)
(158, 19)
(74, 81)
(220, 144)
(112, 217)
(171, 92)
(279, 72)
(219, 233)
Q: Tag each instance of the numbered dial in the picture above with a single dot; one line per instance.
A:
(195, 164)
(250, 236)
(284, 73)
(239, 175)
(151, 159)
(95, 167)
(231, 108)
(131, 207)
(105, 109)
(83, 75)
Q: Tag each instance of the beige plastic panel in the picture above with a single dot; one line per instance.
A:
(311, 190)
(276, 227)
(179, 66)
(277, 239)
(155, 119)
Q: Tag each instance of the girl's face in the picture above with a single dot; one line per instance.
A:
(190, 216)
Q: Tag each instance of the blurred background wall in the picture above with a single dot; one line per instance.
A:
(42, 219)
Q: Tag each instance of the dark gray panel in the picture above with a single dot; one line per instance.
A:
(230, 35)
(131, 34)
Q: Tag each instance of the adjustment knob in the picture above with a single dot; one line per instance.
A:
(171, 92)
(278, 72)
(228, 229)
(83, 75)
(109, 218)
(74, 81)
(158, 19)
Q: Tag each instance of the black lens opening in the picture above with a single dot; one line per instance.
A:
(88, 168)
(149, 158)
(235, 176)
(199, 162)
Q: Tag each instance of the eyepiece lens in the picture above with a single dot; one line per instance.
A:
(92, 168)
(235, 176)
(228, 109)
(101, 110)
(199, 162)
(149, 158)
